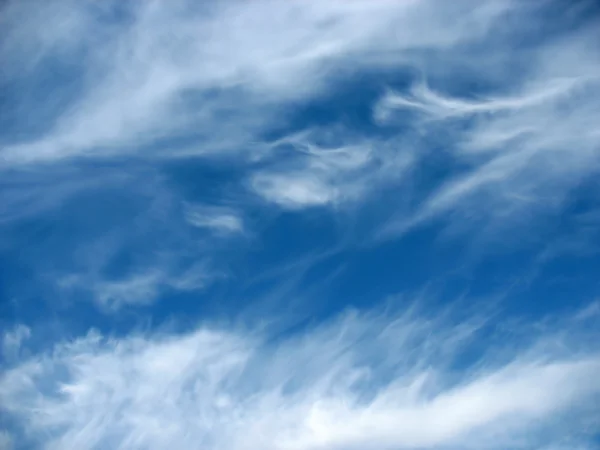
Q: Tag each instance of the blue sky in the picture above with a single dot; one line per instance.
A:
(323, 225)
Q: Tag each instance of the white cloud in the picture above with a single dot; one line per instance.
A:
(129, 250)
(434, 104)
(362, 380)
(522, 152)
(218, 219)
(137, 289)
(140, 288)
(328, 167)
(216, 77)
(294, 191)
(220, 80)
(221, 75)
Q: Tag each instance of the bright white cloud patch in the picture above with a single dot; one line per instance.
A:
(363, 380)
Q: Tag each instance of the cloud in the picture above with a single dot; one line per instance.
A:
(328, 167)
(157, 82)
(115, 234)
(405, 381)
(139, 288)
(294, 191)
(220, 83)
(221, 78)
(220, 220)
(522, 152)
(146, 84)
(110, 101)
(431, 103)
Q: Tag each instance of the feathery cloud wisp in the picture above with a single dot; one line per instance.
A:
(360, 380)
(223, 69)
(521, 152)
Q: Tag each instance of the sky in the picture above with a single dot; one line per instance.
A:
(300, 224)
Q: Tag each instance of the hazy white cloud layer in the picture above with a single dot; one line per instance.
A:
(363, 380)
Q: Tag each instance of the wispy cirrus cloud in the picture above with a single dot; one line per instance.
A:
(329, 167)
(362, 379)
(143, 83)
(116, 235)
(521, 152)
(139, 288)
